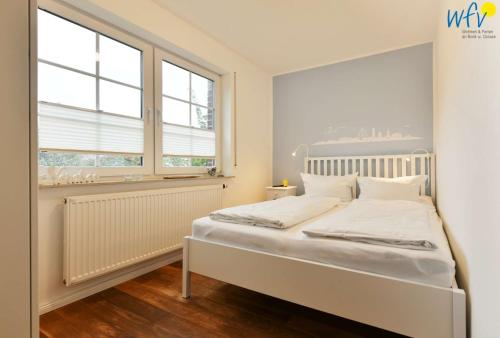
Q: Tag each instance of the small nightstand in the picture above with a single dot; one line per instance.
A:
(278, 192)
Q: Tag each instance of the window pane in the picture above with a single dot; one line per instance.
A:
(119, 161)
(50, 159)
(66, 43)
(66, 160)
(118, 99)
(175, 81)
(176, 161)
(175, 112)
(202, 117)
(202, 162)
(119, 62)
(173, 161)
(57, 85)
(201, 90)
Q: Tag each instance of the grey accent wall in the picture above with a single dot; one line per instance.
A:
(380, 104)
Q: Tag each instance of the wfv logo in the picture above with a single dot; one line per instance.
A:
(471, 15)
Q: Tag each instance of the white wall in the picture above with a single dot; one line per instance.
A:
(254, 132)
(467, 145)
(15, 189)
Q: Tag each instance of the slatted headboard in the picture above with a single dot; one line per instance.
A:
(377, 166)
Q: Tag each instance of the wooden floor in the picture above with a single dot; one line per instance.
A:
(151, 306)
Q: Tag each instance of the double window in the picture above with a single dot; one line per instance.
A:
(114, 103)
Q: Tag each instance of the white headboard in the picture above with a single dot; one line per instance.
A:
(377, 166)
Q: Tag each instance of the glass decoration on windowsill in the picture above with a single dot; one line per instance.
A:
(212, 171)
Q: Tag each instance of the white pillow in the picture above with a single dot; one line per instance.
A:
(330, 186)
(417, 179)
(375, 189)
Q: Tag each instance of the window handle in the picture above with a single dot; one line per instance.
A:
(158, 117)
(149, 113)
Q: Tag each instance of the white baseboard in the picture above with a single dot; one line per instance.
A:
(128, 274)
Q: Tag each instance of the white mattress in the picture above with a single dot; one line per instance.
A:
(430, 267)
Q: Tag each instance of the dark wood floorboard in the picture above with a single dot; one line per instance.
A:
(151, 306)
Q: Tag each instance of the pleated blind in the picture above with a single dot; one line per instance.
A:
(187, 141)
(71, 129)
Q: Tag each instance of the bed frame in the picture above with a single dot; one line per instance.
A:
(402, 306)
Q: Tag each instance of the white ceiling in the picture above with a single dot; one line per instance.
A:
(287, 35)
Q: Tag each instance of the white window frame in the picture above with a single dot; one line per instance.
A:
(147, 50)
(161, 55)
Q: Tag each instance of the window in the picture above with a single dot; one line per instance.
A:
(98, 90)
(188, 129)
(91, 95)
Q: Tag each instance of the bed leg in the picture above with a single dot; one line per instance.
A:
(459, 314)
(186, 274)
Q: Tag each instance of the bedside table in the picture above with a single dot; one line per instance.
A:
(278, 192)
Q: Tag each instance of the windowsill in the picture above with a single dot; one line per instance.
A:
(146, 179)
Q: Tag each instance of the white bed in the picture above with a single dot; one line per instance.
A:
(434, 267)
(411, 292)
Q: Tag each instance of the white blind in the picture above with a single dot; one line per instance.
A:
(186, 141)
(62, 128)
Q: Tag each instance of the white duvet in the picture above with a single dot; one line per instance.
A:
(402, 224)
(281, 213)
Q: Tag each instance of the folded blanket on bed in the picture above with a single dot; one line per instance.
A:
(281, 213)
(402, 224)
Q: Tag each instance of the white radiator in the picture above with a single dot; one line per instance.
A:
(103, 233)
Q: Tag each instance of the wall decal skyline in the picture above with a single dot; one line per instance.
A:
(377, 135)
